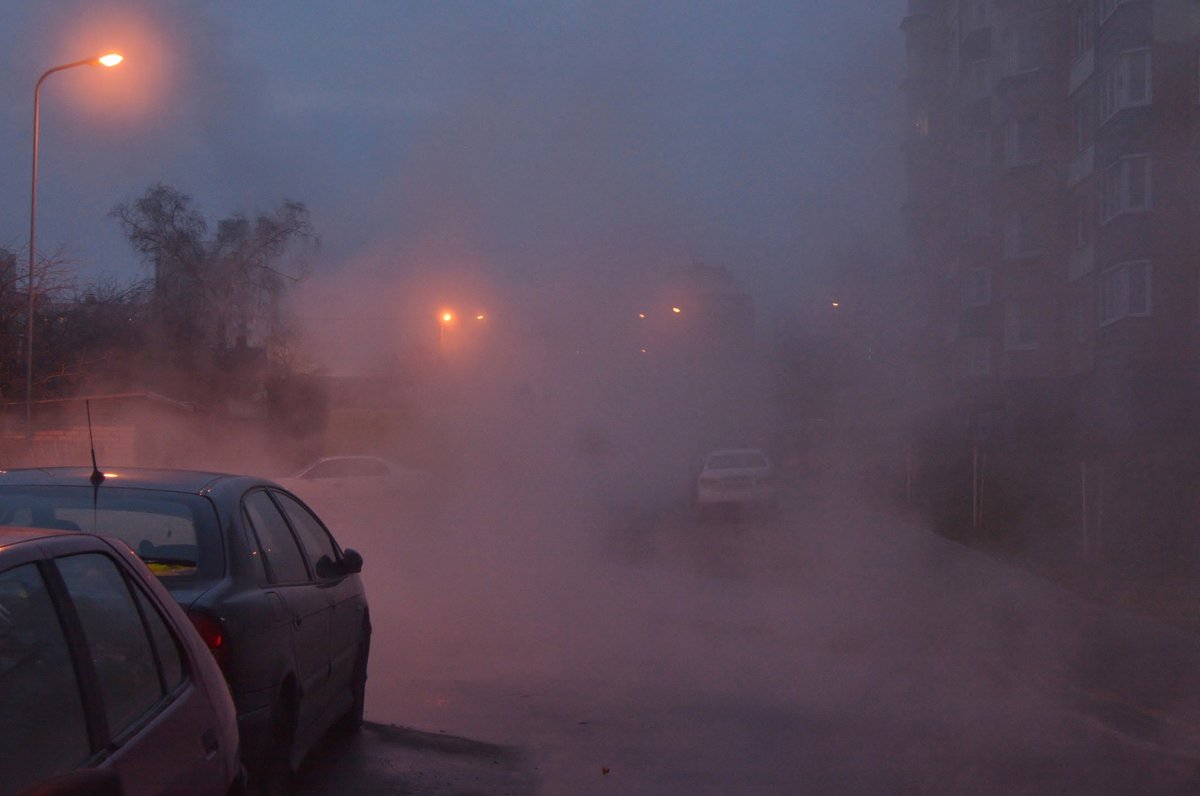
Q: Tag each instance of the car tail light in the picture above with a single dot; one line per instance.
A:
(212, 630)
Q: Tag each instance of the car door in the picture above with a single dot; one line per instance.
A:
(161, 729)
(348, 618)
(309, 608)
(44, 728)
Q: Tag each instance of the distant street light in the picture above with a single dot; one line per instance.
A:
(108, 60)
(444, 320)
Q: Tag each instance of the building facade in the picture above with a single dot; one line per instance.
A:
(1054, 193)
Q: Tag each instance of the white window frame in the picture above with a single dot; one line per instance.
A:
(1121, 185)
(1126, 291)
(1121, 86)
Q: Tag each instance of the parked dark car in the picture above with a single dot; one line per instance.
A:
(105, 687)
(278, 602)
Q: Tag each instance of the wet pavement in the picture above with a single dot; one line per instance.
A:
(828, 650)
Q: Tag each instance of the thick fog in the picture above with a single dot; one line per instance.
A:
(526, 211)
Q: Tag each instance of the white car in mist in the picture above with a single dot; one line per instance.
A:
(737, 477)
(356, 477)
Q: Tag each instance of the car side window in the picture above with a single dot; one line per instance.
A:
(331, 469)
(368, 468)
(316, 540)
(166, 645)
(285, 563)
(43, 730)
(121, 648)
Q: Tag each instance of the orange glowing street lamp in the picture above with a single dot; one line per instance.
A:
(445, 318)
(107, 60)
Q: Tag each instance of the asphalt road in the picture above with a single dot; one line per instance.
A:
(531, 644)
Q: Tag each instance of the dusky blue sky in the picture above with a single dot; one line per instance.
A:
(538, 140)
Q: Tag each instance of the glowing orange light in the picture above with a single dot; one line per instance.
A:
(110, 59)
(642, 315)
(447, 317)
(676, 310)
(836, 305)
(479, 316)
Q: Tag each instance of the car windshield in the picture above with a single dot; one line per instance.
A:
(736, 460)
(176, 534)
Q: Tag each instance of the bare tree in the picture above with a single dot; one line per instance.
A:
(209, 291)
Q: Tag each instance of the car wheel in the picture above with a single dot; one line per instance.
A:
(353, 719)
(275, 771)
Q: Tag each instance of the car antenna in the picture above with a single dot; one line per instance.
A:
(97, 477)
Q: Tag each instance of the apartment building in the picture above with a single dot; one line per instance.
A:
(1054, 190)
(1053, 163)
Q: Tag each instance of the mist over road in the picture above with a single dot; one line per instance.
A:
(530, 643)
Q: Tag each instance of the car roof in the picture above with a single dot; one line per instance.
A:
(724, 451)
(173, 480)
(12, 534)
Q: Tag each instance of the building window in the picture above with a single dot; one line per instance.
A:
(977, 357)
(1084, 27)
(1126, 187)
(1126, 83)
(1022, 48)
(1081, 223)
(977, 287)
(978, 80)
(974, 15)
(921, 124)
(1022, 236)
(979, 219)
(1021, 142)
(1107, 7)
(1083, 128)
(980, 144)
(1020, 327)
(1125, 291)
(1081, 311)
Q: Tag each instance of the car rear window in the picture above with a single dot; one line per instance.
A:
(734, 461)
(175, 533)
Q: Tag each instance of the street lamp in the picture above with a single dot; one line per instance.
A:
(445, 318)
(107, 60)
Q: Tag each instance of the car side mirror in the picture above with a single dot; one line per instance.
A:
(352, 561)
(84, 782)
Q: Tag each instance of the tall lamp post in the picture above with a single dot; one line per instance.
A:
(110, 59)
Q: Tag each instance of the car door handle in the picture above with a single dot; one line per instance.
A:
(210, 742)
